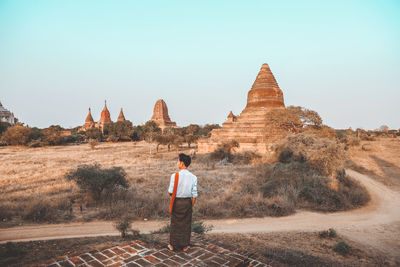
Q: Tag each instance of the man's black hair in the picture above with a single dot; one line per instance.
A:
(185, 159)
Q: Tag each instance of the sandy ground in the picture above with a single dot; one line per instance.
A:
(376, 226)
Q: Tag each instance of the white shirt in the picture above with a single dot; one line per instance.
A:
(187, 184)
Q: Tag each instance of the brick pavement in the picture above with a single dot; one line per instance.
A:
(138, 253)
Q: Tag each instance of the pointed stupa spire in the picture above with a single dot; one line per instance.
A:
(265, 92)
(121, 116)
(89, 117)
(105, 114)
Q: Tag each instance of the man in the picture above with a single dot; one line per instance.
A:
(183, 191)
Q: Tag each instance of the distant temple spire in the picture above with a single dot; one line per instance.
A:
(121, 116)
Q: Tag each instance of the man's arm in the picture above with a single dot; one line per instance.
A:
(193, 201)
(171, 184)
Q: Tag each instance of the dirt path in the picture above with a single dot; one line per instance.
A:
(376, 226)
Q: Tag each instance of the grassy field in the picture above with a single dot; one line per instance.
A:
(34, 177)
(34, 189)
(379, 159)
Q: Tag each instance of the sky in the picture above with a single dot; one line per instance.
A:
(58, 58)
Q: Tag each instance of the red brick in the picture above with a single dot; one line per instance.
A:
(130, 250)
(143, 262)
(178, 259)
(160, 255)
(108, 253)
(100, 257)
(151, 259)
(219, 260)
(117, 264)
(66, 263)
(206, 256)
(133, 258)
(118, 251)
(171, 263)
(76, 260)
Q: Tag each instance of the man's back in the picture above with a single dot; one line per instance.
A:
(187, 185)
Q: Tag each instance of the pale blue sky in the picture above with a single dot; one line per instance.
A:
(57, 58)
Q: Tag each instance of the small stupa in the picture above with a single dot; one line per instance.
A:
(249, 128)
(105, 117)
(89, 122)
(121, 116)
(161, 116)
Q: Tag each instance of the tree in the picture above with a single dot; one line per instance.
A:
(191, 133)
(172, 137)
(137, 133)
(123, 130)
(161, 140)
(93, 133)
(150, 130)
(52, 135)
(95, 180)
(3, 127)
(206, 130)
(16, 135)
(292, 119)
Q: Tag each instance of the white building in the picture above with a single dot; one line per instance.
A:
(6, 115)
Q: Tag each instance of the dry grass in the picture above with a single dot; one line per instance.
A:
(33, 185)
(299, 249)
(379, 159)
(32, 175)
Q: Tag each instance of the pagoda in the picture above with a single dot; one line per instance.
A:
(249, 128)
(121, 116)
(161, 116)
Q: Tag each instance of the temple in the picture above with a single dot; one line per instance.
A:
(121, 116)
(105, 119)
(160, 115)
(249, 128)
(7, 116)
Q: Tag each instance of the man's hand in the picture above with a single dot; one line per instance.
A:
(193, 201)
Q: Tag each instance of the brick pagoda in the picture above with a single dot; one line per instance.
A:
(249, 129)
(160, 115)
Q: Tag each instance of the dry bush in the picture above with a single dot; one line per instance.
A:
(225, 151)
(304, 187)
(16, 135)
(47, 210)
(325, 155)
(95, 180)
(93, 143)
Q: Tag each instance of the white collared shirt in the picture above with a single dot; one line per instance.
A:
(187, 184)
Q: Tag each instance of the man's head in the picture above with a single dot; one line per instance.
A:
(184, 160)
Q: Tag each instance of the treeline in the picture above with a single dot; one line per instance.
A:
(113, 132)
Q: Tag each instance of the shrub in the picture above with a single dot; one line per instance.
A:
(93, 133)
(112, 138)
(200, 227)
(35, 143)
(331, 233)
(16, 135)
(325, 155)
(3, 127)
(46, 210)
(300, 185)
(52, 135)
(342, 248)
(95, 180)
(123, 226)
(245, 158)
(224, 150)
(93, 143)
